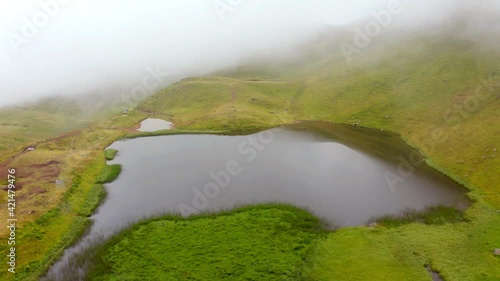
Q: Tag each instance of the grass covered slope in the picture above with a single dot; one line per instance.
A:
(53, 214)
(421, 88)
(457, 251)
(224, 103)
(266, 242)
(27, 124)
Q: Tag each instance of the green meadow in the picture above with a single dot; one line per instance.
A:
(441, 94)
(265, 242)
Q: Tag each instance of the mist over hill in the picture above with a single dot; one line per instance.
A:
(68, 58)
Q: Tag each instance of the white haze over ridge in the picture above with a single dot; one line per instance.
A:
(103, 47)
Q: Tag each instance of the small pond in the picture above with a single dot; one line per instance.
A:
(153, 125)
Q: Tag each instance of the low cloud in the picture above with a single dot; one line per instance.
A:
(102, 48)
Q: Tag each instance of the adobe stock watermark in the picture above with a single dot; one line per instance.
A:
(221, 179)
(223, 7)
(151, 82)
(371, 29)
(472, 103)
(47, 10)
(453, 117)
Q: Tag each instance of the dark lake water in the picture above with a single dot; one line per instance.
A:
(343, 174)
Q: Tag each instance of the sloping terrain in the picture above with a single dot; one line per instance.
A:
(441, 93)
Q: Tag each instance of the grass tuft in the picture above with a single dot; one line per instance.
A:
(109, 174)
(432, 215)
(110, 154)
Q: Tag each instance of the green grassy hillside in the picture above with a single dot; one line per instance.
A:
(266, 242)
(442, 94)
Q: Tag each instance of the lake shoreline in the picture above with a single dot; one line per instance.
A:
(234, 133)
(251, 131)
